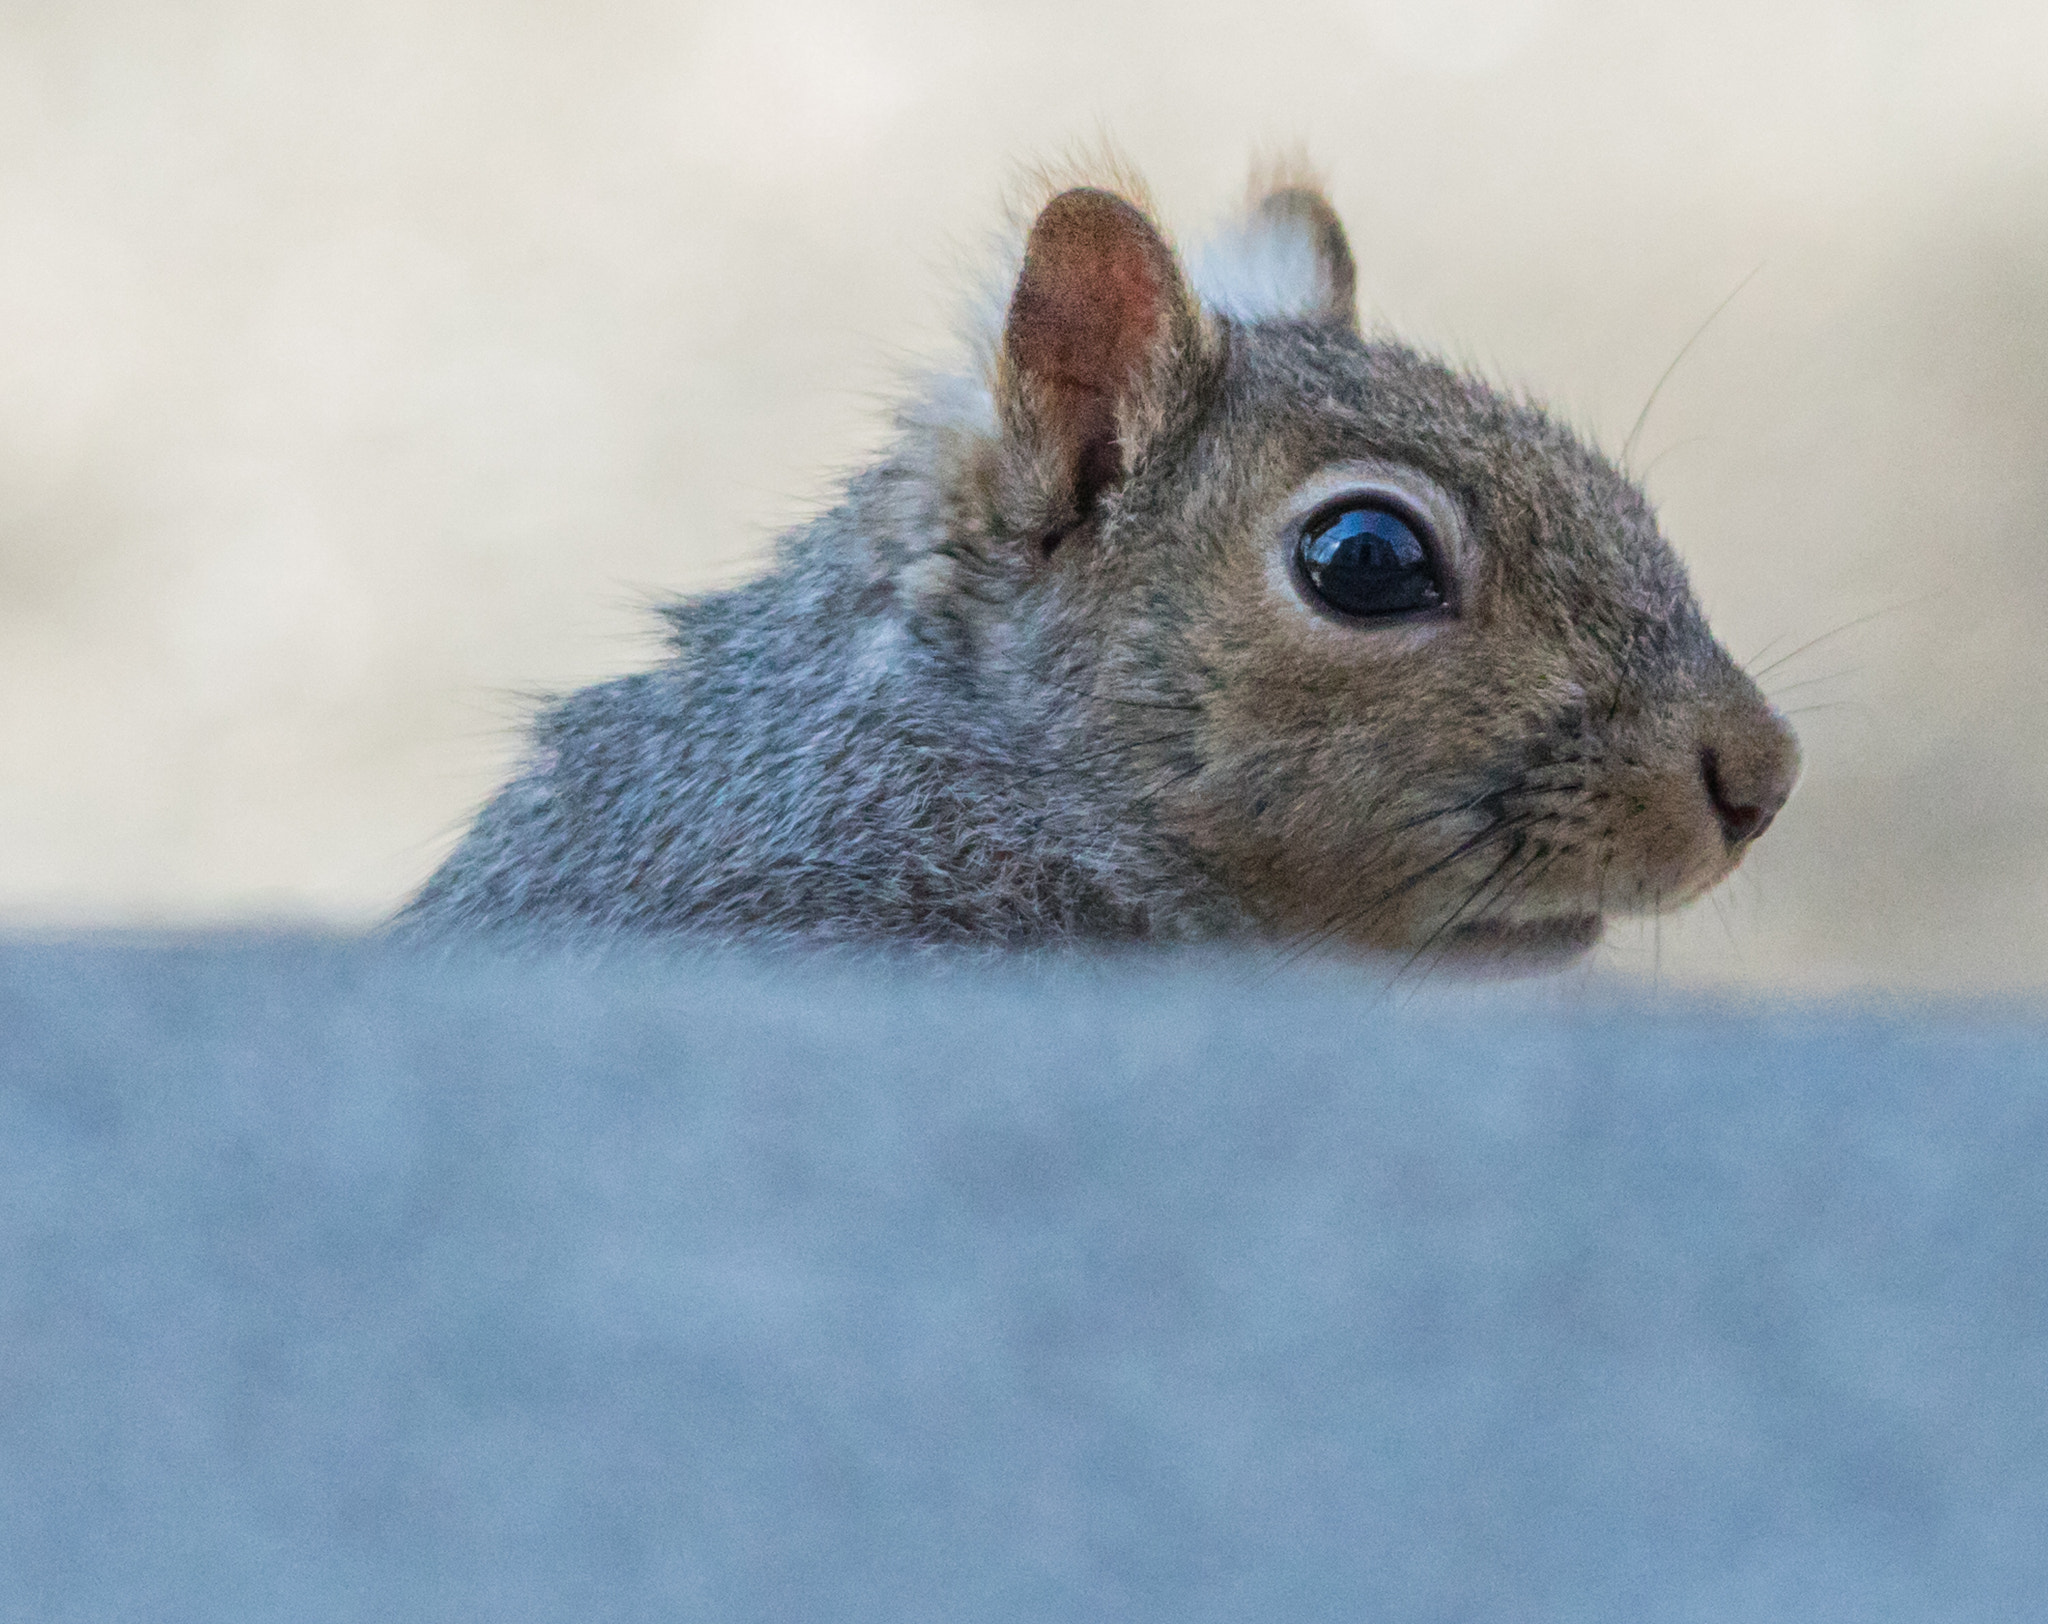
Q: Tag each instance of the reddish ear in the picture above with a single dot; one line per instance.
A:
(1097, 302)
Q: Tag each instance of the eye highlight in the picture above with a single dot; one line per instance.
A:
(1369, 560)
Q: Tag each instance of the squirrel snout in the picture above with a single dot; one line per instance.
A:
(1748, 771)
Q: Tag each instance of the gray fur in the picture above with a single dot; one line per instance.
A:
(825, 756)
(982, 702)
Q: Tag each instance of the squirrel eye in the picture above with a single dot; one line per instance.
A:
(1370, 560)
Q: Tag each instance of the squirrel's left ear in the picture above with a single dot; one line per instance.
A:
(1287, 260)
(1098, 348)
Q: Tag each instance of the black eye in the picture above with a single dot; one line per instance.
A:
(1369, 560)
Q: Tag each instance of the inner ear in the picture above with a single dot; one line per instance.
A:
(1093, 309)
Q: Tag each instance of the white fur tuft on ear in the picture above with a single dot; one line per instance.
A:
(1284, 259)
(1260, 270)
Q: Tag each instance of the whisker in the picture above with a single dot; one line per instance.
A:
(1456, 913)
(1657, 943)
(1826, 636)
(1507, 819)
(1525, 879)
(1508, 892)
(1760, 653)
(1827, 704)
(1443, 929)
(1643, 473)
(1476, 802)
(1347, 915)
(1628, 446)
(1721, 914)
(1516, 886)
(1809, 682)
(1504, 826)
(1333, 925)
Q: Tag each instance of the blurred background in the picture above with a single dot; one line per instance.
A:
(365, 370)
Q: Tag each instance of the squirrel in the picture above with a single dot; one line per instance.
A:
(1181, 616)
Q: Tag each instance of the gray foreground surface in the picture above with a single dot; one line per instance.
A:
(341, 1284)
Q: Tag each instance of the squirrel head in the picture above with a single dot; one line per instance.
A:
(1398, 658)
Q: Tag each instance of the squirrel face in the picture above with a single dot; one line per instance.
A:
(1404, 663)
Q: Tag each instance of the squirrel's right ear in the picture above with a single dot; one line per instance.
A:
(1285, 259)
(1101, 328)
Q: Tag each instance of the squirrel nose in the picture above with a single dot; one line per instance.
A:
(1749, 777)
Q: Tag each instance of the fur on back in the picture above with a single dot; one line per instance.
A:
(829, 753)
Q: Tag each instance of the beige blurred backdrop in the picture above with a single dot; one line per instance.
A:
(364, 368)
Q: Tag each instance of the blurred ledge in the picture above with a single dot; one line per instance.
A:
(341, 1282)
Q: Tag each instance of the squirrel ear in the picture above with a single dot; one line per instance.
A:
(1099, 315)
(1289, 260)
